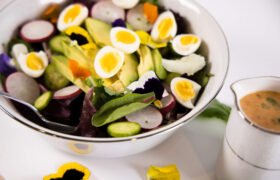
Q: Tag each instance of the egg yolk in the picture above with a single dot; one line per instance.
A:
(109, 62)
(187, 40)
(164, 28)
(125, 37)
(72, 13)
(34, 62)
(184, 90)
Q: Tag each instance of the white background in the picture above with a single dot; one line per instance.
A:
(253, 31)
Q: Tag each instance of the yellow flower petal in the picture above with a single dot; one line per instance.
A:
(146, 39)
(69, 166)
(169, 172)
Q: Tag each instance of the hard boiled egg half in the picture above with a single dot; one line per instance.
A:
(124, 39)
(72, 15)
(185, 91)
(126, 4)
(108, 62)
(33, 64)
(165, 27)
(186, 44)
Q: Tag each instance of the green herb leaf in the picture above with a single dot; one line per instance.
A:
(217, 110)
(101, 97)
(120, 107)
(202, 77)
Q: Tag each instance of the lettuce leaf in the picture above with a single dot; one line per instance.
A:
(217, 110)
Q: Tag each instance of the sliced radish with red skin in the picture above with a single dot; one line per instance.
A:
(168, 104)
(148, 118)
(23, 87)
(137, 19)
(107, 11)
(37, 31)
(42, 88)
(68, 92)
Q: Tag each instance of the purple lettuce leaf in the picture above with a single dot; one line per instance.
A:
(85, 127)
(181, 23)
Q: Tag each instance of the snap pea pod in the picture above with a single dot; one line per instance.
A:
(120, 107)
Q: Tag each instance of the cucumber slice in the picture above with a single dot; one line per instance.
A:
(42, 101)
(123, 129)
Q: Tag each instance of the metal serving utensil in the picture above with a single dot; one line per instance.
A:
(50, 124)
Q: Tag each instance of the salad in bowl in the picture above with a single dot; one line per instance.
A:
(115, 70)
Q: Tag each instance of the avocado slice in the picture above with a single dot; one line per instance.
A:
(55, 43)
(159, 69)
(99, 31)
(128, 72)
(146, 60)
(61, 64)
(115, 89)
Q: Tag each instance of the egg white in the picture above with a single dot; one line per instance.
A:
(182, 49)
(172, 32)
(187, 64)
(22, 58)
(18, 49)
(126, 4)
(196, 88)
(97, 66)
(127, 48)
(61, 25)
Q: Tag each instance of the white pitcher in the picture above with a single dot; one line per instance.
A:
(249, 151)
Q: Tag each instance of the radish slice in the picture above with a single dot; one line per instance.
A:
(36, 31)
(148, 118)
(137, 19)
(126, 4)
(168, 104)
(23, 87)
(107, 11)
(67, 92)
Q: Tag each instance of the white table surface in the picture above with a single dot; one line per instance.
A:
(253, 31)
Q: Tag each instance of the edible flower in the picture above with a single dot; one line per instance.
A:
(79, 34)
(119, 23)
(70, 170)
(151, 12)
(51, 13)
(77, 70)
(6, 67)
(146, 39)
(169, 172)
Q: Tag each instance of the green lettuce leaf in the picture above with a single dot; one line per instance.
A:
(217, 110)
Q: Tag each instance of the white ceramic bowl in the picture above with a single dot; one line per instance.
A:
(199, 21)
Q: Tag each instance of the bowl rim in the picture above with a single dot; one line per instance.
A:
(167, 128)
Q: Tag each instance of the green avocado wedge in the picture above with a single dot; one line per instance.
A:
(159, 69)
(128, 72)
(56, 43)
(120, 107)
(99, 31)
(146, 60)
